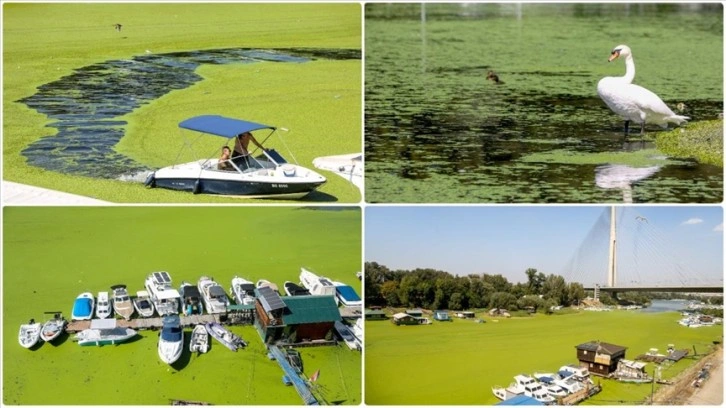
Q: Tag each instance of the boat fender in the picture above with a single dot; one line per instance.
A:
(197, 187)
(150, 180)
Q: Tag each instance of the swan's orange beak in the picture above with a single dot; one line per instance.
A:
(614, 55)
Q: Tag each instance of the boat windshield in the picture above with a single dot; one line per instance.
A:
(171, 334)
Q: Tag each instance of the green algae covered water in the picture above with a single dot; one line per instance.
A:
(436, 130)
(53, 254)
(467, 359)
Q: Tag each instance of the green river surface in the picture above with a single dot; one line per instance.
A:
(436, 130)
(53, 254)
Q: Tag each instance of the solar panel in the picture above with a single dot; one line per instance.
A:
(165, 277)
(270, 299)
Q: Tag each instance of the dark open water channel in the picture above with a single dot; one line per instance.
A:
(436, 130)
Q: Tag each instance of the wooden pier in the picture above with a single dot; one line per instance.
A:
(151, 323)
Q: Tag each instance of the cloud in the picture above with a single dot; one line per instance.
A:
(692, 221)
(719, 227)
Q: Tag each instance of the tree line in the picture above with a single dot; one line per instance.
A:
(434, 289)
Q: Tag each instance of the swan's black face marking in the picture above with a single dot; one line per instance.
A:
(614, 55)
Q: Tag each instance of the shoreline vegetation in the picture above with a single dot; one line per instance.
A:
(702, 141)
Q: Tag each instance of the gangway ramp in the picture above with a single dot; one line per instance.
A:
(297, 381)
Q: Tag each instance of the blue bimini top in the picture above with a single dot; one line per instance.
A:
(221, 126)
(347, 293)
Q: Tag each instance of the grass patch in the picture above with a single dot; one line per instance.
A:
(53, 254)
(702, 141)
(466, 358)
(319, 101)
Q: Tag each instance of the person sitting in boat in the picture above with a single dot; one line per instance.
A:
(241, 156)
(223, 163)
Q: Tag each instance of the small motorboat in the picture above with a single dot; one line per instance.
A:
(191, 299)
(143, 305)
(266, 175)
(171, 339)
(102, 337)
(243, 291)
(103, 306)
(262, 283)
(293, 289)
(224, 336)
(122, 301)
(83, 307)
(348, 166)
(200, 339)
(317, 285)
(358, 329)
(346, 295)
(347, 335)
(29, 334)
(53, 327)
(214, 297)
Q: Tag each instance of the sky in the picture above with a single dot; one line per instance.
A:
(509, 240)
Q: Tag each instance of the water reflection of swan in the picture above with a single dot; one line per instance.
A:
(633, 102)
(622, 177)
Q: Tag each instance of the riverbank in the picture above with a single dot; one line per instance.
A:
(682, 392)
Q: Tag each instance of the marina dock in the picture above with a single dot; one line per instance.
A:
(297, 381)
(151, 323)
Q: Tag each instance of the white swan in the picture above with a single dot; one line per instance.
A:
(633, 102)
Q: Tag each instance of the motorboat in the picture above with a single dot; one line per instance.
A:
(103, 306)
(83, 307)
(358, 329)
(346, 295)
(580, 373)
(267, 175)
(104, 331)
(143, 305)
(555, 391)
(122, 303)
(171, 339)
(199, 341)
(528, 386)
(295, 359)
(243, 291)
(265, 283)
(163, 295)
(317, 285)
(347, 335)
(348, 166)
(29, 334)
(293, 289)
(53, 328)
(213, 295)
(224, 336)
(569, 384)
(191, 299)
(507, 393)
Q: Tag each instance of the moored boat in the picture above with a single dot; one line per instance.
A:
(122, 301)
(53, 328)
(103, 306)
(171, 339)
(199, 341)
(83, 307)
(143, 305)
(243, 291)
(224, 336)
(103, 332)
(191, 299)
(263, 282)
(293, 289)
(346, 295)
(214, 297)
(347, 335)
(29, 334)
(317, 285)
(163, 295)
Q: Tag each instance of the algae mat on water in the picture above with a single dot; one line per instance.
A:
(466, 359)
(47, 42)
(53, 254)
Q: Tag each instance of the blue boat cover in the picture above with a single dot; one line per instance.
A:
(347, 293)
(564, 374)
(546, 380)
(82, 307)
(520, 400)
(221, 126)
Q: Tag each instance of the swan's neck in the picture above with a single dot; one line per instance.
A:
(629, 69)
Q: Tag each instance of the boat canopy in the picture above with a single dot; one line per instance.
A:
(221, 126)
(82, 307)
(347, 293)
